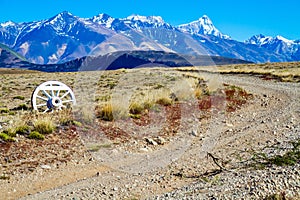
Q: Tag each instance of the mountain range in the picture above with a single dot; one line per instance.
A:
(115, 60)
(65, 37)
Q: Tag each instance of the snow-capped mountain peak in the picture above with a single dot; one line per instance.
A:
(202, 26)
(261, 40)
(278, 44)
(63, 16)
(140, 22)
(62, 21)
(145, 19)
(103, 19)
(8, 23)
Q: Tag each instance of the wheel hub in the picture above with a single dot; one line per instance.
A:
(54, 103)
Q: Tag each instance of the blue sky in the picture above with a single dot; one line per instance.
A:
(239, 19)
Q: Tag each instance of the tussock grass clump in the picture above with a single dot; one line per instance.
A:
(183, 89)
(164, 101)
(65, 118)
(71, 122)
(112, 111)
(44, 126)
(136, 108)
(22, 129)
(36, 135)
(106, 113)
(21, 107)
(10, 132)
(198, 92)
(279, 196)
(148, 104)
(4, 110)
(6, 138)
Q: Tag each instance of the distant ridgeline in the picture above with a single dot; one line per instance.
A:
(116, 60)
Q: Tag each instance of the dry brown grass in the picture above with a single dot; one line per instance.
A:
(105, 95)
(288, 71)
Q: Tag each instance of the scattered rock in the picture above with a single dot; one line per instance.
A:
(160, 140)
(45, 167)
(151, 141)
(229, 125)
(143, 150)
(194, 133)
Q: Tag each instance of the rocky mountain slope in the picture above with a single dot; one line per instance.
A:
(66, 37)
(115, 60)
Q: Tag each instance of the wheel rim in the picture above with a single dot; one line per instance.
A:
(52, 95)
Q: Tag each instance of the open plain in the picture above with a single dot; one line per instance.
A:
(157, 133)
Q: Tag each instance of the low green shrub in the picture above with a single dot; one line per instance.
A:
(22, 129)
(6, 137)
(4, 110)
(19, 97)
(36, 135)
(71, 122)
(10, 132)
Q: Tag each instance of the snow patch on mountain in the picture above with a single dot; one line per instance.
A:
(24, 48)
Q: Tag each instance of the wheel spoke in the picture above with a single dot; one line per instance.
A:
(68, 92)
(67, 101)
(43, 104)
(57, 93)
(46, 110)
(43, 98)
(47, 94)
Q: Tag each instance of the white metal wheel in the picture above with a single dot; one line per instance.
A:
(52, 95)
